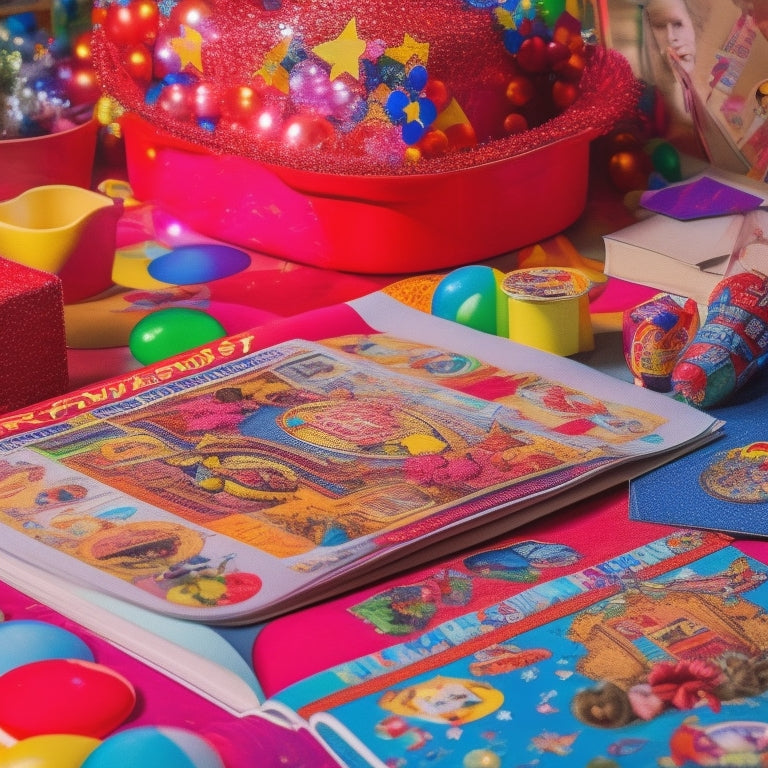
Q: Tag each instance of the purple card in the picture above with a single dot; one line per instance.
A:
(700, 199)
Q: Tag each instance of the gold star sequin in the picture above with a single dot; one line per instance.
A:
(272, 71)
(409, 49)
(188, 48)
(453, 114)
(343, 53)
(412, 111)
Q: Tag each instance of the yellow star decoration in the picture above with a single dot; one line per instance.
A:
(409, 49)
(343, 53)
(412, 111)
(504, 18)
(272, 71)
(453, 114)
(188, 47)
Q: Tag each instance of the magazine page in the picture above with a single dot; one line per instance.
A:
(241, 491)
(656, 656)
(706, 63)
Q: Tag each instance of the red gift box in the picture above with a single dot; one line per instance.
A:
(33, 353)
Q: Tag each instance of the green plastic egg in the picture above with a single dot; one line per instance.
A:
(171, 331)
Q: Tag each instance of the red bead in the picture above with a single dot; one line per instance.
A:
(520, 90)
(137, 61)
(532, 54)
(307, 131)
(131, 24)
(564, 94)
(240, 104)
(434, 143)
(515, 123)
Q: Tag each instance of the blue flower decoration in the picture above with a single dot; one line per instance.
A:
(399, 103)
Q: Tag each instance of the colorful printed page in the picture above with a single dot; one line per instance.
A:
(722, 486)
(652, 657)
(271, 478)
(405, 608)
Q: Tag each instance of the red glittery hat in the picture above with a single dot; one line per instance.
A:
(378, 87)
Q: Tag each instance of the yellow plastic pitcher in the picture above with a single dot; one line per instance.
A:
(66, 230)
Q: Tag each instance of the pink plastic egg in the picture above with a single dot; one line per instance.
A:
(65, 696)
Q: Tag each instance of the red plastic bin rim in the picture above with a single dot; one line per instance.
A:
(610, 93)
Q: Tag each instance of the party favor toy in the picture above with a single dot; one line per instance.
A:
(372, 137)
(33, 355)
(731, 346)
(655, 334)
(548, 308)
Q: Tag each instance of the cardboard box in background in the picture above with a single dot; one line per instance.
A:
(711, 93)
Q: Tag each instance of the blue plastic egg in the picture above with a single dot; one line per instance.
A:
(168, 332)
(190, 264)
(154, 747)
(24, 641)
(472, 296)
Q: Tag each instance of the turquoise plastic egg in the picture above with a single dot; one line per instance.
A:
(190, 264)
(472, 296)
(168, 332)
(23, 641)
(64, 696)
(48, 751)
(154, 747)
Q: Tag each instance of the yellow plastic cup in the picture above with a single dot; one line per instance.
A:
(65, 230)
(549, 309)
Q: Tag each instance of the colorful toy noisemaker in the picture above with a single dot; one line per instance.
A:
(372, 136)
(731, 347)
(655, 334)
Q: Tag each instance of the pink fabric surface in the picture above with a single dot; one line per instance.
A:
(161, 701)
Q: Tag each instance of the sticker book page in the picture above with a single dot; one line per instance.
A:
(405, 607)
(654, 655)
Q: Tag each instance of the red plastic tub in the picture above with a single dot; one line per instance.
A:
(65, 157)
(369, 224)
